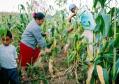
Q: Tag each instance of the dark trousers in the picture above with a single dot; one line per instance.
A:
(9, 76)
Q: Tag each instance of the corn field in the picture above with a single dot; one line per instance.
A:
(70, 60)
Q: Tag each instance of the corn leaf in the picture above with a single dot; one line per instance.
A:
(51, 66)
(106, 76)
(3, 31)
(107, 23)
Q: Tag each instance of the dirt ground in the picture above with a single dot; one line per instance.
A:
(59, 75)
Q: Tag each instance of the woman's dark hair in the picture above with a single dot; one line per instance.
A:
(38, 16)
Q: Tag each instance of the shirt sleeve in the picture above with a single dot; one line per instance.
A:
(15, 53)
(38, 35)
(87, 21)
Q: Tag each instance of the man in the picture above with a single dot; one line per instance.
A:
(87, 21)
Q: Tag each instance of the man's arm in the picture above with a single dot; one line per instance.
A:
(70, 17)
(70, 29)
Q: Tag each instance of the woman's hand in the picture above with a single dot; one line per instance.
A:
(47, 50)
(45, 34)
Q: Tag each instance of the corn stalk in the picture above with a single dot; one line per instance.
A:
(114, 51)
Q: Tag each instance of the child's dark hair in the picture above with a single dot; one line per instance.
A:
(8, 33)
(38, 16)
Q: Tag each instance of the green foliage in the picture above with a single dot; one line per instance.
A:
(106, 76)
(117, 67)
(103, 24)
(99, 24)
(71, 57)
(102, 2)
(77, 53)
(3, 31)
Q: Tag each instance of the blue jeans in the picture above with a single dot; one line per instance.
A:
(9, 76)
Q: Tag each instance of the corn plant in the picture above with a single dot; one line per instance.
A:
(104, 68)
(106, 56)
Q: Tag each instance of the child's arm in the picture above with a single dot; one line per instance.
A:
(17, 61)
(16, 56)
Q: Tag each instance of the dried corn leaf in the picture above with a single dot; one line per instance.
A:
(100, 74)
(90, 72)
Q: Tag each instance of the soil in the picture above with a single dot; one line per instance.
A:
(59, 75)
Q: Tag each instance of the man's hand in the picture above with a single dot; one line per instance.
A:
(71, 16)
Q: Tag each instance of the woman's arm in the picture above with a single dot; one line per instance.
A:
(38, 36)
(41, 41)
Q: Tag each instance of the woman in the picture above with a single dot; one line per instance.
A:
(31, 37)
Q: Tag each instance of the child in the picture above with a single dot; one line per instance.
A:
(8, 57)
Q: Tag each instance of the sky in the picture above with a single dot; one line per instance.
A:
(12, 5)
